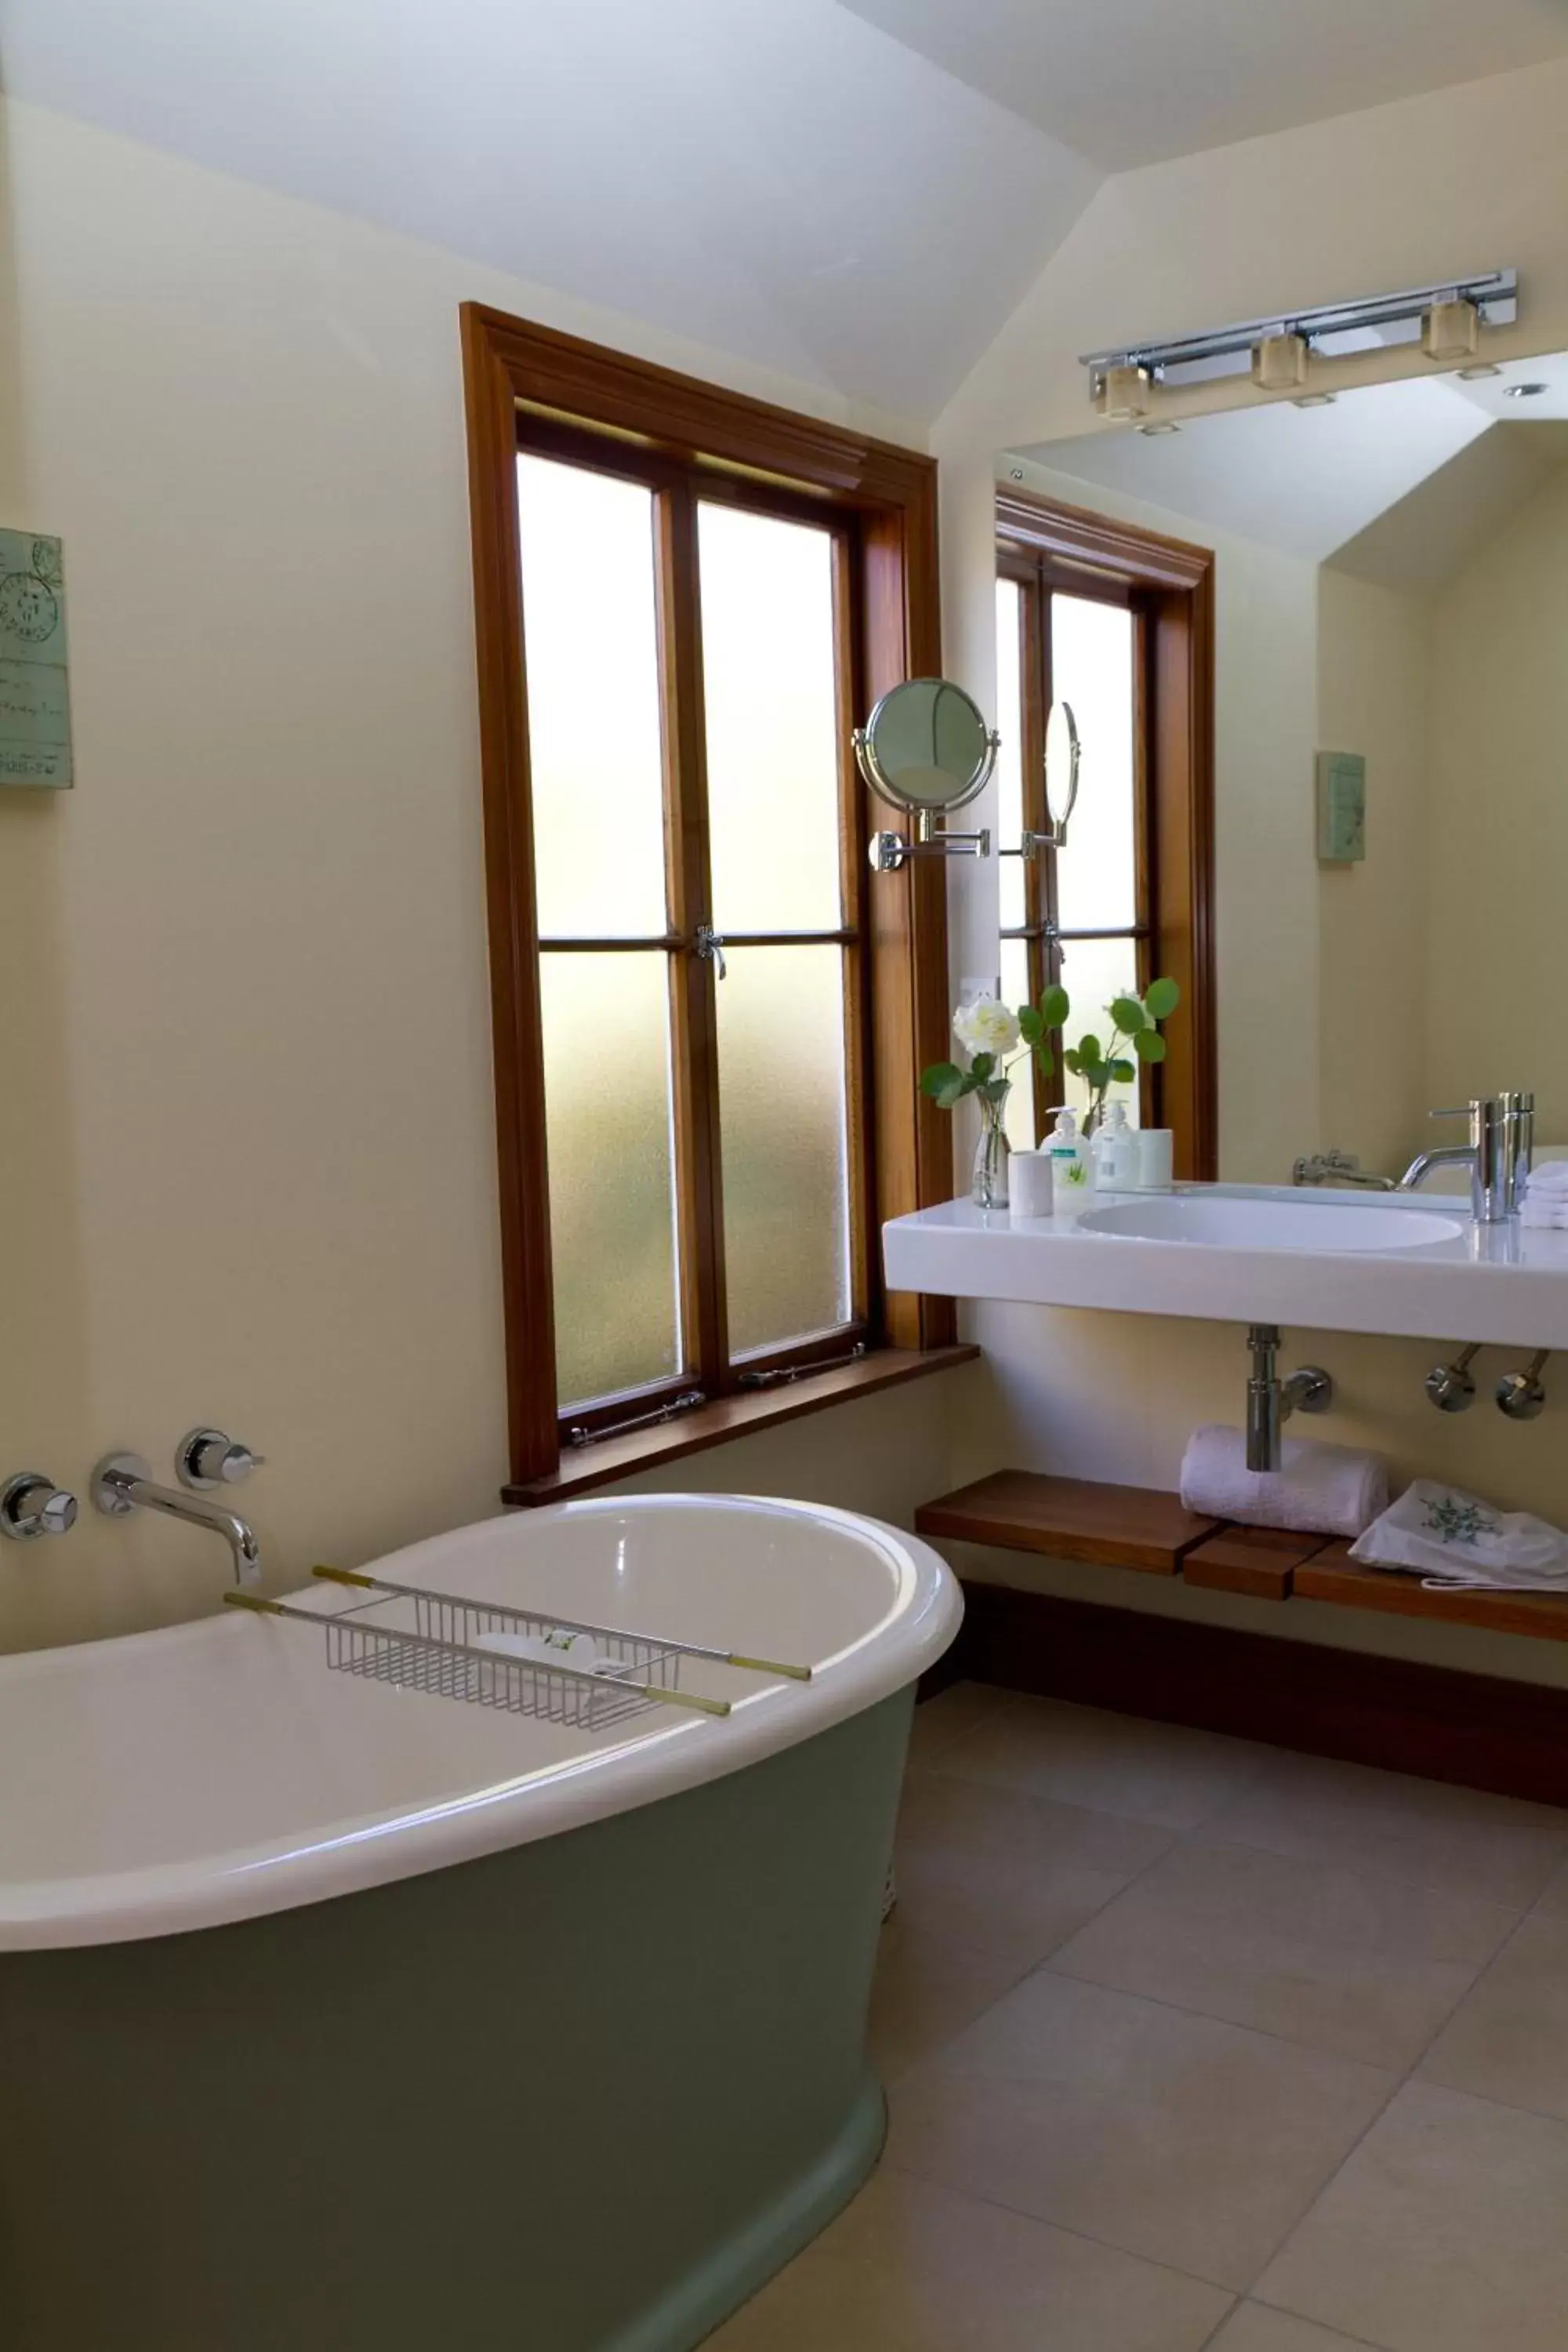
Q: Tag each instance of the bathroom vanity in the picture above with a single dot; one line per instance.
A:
(1403, 1264)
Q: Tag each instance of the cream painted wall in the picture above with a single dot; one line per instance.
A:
(1500, 817)
(1468, 178)
(247, 1162)
(1374, 676)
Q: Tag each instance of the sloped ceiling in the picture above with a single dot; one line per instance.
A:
(1138, 82)
(781, 181)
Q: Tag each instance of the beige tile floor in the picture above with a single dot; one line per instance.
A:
(1190, 2043)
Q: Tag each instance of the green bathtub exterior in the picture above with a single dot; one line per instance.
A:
(584, 2096)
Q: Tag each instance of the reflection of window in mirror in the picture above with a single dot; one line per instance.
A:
(1119, 625)
(686, 1084)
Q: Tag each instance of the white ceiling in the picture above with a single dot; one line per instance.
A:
(1136, 81)
(1398, 482)
(854, 195)
(773, 178)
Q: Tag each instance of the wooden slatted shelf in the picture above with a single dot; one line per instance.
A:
(1335, 1577)
(1261, 1562)
(1144, 1527)
(1070, 1519)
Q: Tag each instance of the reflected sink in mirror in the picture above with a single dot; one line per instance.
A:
(1224, 1223)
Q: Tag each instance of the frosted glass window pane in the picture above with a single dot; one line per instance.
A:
(1021, 1101)
(1093, 972)
(786, 1184)
(612, 1192)
(769, 685)
(1091, 667)
(591, 648)
(1010, 758)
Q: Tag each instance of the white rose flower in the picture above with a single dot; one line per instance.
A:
(985, 1027)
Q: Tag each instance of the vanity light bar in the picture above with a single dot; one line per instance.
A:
(1119, 379)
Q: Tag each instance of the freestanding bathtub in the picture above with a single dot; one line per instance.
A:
(349, 2019)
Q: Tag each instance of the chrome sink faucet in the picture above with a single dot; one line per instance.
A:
(122, 1482)
(1498, 1155)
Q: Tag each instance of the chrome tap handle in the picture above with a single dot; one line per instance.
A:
(32, 1505)
(205, 1458)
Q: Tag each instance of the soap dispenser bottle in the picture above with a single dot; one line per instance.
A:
(1114, 1152)
(1068, 1156)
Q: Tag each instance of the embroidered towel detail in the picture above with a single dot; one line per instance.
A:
(1450, 1538)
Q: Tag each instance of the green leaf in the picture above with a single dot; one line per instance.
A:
(1090, 1047)
(1161, 998)
(1129, 1014)
(938, 1078)
(982, 1065)
(1148, 1046)
(1123, 1072)
(1074, 1061)
(998, 1090)
(1031, 1028)
(1045, 1058)
(1054, 1006)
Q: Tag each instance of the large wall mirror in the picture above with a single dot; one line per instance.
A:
(1391, 579)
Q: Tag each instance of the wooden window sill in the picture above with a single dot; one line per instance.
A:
(585, 1467)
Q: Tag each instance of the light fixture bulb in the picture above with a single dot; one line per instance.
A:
(1315, 400)
(1279, 362)
(1153, 431)
(1481, 368)
(1451, 330)
(1124, 394)
(1524, 391)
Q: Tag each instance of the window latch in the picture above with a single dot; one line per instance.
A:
(711, 947)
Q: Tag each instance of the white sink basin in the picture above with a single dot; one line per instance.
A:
(1224, 1223)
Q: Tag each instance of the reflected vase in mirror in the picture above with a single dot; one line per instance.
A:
(993, 1153)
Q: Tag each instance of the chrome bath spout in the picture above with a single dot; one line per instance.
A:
(124, 1483)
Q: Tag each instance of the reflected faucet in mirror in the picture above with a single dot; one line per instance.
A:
(1498, 1156)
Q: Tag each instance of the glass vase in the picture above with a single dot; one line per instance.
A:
(992, 1154)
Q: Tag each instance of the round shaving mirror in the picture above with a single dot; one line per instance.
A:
(926, 746)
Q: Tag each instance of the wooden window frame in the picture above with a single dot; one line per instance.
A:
(1170, 587)
(589, 401)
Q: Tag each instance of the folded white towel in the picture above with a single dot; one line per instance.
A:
(1329, 1490)
(1457, 1539)
(1544, 1209)
(1549, 1176)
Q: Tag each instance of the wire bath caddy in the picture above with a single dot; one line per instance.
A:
(438, 1642)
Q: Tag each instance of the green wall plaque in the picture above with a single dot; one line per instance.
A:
(1341, 807)
(35, 695)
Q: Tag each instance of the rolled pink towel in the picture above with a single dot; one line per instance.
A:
(1326, 1490)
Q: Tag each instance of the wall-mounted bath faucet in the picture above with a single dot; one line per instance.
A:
(207, 1458)
(32, 1505)
(1271, 1400)
(122, 1482)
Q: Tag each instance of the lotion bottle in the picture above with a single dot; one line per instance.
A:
(1115, 1153)
(1069, 1160)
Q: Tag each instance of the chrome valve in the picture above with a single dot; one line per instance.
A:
(32, 1505)
(205, 1458)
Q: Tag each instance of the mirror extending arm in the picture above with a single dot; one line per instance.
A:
(889, 851)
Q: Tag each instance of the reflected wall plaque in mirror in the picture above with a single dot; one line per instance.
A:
(926, 748)
(1391, 580)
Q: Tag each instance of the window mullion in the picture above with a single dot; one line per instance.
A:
(693, 1006)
